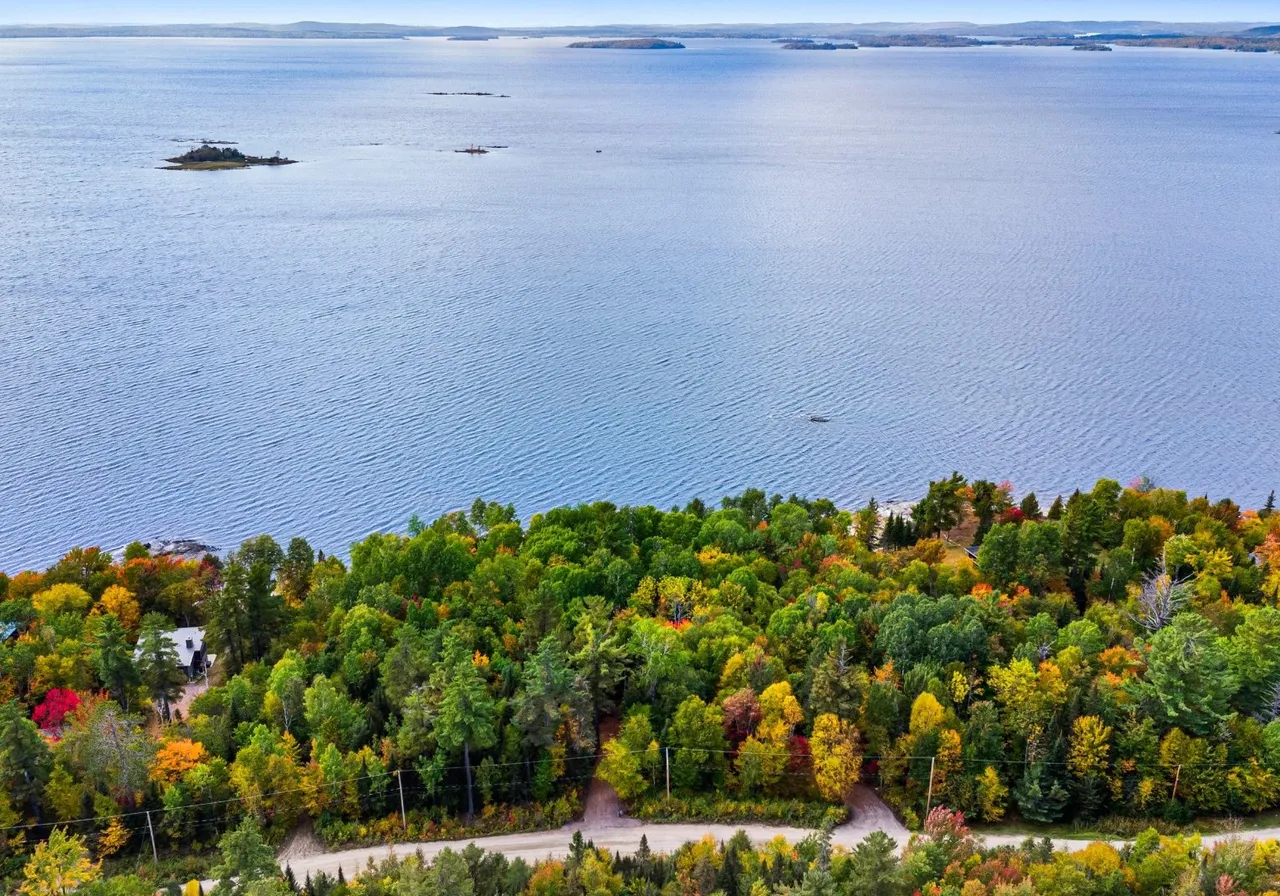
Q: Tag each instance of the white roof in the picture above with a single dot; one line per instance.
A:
(180, 637)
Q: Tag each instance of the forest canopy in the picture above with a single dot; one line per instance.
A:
(1116, 654)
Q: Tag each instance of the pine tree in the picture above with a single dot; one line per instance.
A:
(1055, 509)
(1030, 507)
(158, 665)
(466, 715)
(1041, 796)
(24, 758)
(1270, 507)
(113, 660)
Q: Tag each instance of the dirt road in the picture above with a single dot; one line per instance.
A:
(661, 837)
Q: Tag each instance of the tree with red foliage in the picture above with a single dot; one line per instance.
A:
(741, 715)
(57, 703)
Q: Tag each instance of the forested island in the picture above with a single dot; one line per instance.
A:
(812, 45)
(1111, 661)
(645, 43)
(221, 158)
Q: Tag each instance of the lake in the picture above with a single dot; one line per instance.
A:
(1032, 264)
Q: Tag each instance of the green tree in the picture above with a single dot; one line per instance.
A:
(697, 735)
(942, 505)
(407, 665)
(552, 697)
(874, 869)
(286, 691)
(1189, 682)
(1254, 651)
(988, 500)
(158, 666)
(600, 660)
(333, 717)
(226, 614)
(467, 715)
(246, 858)
(1041, 796)
(24, 758)
(632, 758)
(113, 659)
(1030, 507)
(998, 556)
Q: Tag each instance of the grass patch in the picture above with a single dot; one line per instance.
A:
(797, 813)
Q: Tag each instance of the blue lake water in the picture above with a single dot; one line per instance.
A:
(1034, 263)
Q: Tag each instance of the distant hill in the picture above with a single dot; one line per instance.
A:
(845, 31)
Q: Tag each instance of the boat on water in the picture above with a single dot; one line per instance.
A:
(474, 151)
(819, 418)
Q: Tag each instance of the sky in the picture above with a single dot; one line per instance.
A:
(599, 12)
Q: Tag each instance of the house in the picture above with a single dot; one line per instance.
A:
(192, 658)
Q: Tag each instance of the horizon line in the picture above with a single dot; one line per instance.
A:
(883, 22)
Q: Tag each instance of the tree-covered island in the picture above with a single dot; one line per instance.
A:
(220, 158)
(643, 43)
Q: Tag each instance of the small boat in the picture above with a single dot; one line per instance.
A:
(818, 418)
(474, 151)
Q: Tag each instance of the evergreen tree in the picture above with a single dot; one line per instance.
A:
(940, 510)
(113, 659)
(1030, 507)
(1041, 796)
(24, 758)
(874, 868)
(1055, 509)
(158, 666)
(553, 696)
(1270, 507)
(600, 658)
(466, 716)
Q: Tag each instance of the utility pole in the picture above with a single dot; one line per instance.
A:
(404, 819)
(155, 857)
(668, 754)
(928, 800)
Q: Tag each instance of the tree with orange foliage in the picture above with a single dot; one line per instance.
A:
(175, 759)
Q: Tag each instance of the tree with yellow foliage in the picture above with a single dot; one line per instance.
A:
(837, 762)
(61, 598)
(121, 602)
(58, 866)
(993, 796)
(114, 837)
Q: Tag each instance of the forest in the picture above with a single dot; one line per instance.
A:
(1112, 659)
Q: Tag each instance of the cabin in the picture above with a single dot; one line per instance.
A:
(192, 657)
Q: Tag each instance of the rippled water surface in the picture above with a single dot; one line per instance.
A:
(1035, 264)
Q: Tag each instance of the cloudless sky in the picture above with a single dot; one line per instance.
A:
(599, 12)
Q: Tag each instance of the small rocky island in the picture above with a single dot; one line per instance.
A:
(1093, 48)
(221, 158)
(643, 43)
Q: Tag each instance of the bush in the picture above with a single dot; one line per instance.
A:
(439, 824)
(800, 813)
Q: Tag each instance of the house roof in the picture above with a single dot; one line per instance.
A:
(180, 638)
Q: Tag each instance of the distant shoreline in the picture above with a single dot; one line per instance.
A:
(1260, 37)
